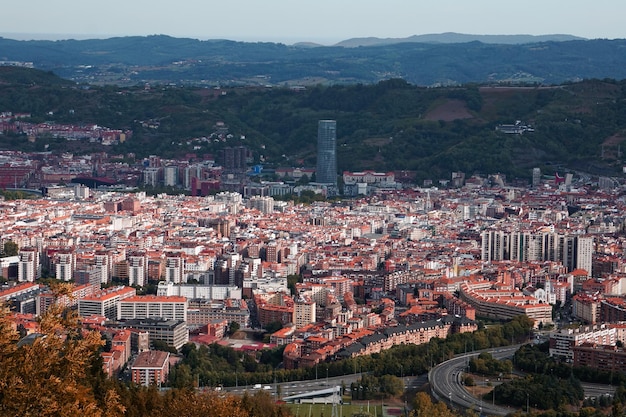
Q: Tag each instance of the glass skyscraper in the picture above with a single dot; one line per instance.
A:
(326, 172)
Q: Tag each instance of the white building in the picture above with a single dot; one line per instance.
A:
(204, 292)
(137, 270)
(170, 176)
(105, 303)
(152, 306)
(64, 265)
(562, 341)
(174, 269)
(28, 267)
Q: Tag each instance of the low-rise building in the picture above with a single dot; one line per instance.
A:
(173, 332)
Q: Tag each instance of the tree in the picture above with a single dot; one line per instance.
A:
(273, 327)
(392, 385)
(10, 248)
(233, 327)
(423, 406)
(163, 346)
(43, 374)
(303, 180)
(292, 280)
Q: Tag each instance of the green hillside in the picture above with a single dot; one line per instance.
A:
(391, 125)
(431, 61)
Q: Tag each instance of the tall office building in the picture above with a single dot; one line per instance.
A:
(536, 177)
(170, 176)
(326, 172)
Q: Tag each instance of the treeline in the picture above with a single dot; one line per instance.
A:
(370, 387)
(545, 391)
(550, 385)
(219, 365)
(536, 359)
(485, 364)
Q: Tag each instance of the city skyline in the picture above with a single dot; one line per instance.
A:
(326, 23)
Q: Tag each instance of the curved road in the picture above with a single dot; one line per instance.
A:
(445, 380)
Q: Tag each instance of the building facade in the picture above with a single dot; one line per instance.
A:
(326, 172)
(150, 368)
(152, 306)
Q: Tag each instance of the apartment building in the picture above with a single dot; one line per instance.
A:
(152, 306)
(304, 312)
(563, 341)
(151, 368)
(504, 305)
(104, 304)
(29, 266)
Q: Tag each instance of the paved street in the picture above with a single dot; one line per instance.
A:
(445, 380)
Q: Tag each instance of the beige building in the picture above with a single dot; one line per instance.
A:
(304, 312)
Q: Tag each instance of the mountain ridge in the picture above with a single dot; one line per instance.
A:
(162, 59)
(454, 37)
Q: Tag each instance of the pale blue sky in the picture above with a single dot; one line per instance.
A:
(323, 21)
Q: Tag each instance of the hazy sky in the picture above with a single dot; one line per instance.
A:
(323, 21)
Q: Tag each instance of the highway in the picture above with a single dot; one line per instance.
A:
(597, 390)
(445, 381)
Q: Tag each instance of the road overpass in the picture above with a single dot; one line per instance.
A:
(445, 381)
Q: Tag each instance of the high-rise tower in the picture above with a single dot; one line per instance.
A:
(326, 172)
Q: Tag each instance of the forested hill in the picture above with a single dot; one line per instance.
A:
(391, 125)
(164, 59)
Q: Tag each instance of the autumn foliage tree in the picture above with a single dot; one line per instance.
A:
(424, 406)
(44, 374)
(57, 372)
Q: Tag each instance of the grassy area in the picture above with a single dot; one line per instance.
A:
(343, 410)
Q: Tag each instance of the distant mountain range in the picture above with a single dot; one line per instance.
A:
(452, 37)
(427, 60)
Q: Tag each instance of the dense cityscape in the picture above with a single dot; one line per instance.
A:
(370, 262)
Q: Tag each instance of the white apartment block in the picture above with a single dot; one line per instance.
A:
(203, 292)
(104, 304)
(152, 306)
(563, 341)
(64, 266)
(175, 269)
(170, 176)
(28, 267)
(101, 262)
(573, 251)
(137, 270)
